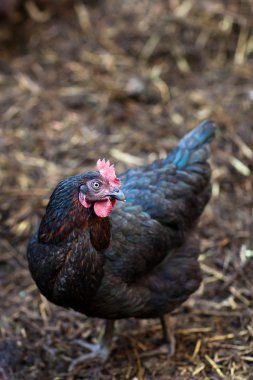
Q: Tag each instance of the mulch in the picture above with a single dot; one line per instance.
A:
(125, 80)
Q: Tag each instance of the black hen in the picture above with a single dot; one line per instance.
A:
(139, 262)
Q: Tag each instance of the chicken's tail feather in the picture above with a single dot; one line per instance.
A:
(194, 146)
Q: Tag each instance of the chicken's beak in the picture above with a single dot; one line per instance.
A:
(117, 194)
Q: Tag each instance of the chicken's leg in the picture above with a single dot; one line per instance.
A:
(168, 334)
(99, 351)
(168, 345)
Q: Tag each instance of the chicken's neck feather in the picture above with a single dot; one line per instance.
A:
(64, 222)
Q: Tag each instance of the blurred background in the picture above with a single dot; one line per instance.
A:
(124, 80)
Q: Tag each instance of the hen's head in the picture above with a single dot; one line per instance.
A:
(101, 189)
(95, 190)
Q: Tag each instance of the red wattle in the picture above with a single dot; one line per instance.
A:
(103, 208)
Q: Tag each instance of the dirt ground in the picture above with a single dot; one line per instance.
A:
(124, 80)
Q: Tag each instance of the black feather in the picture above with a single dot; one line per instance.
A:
(141, 263)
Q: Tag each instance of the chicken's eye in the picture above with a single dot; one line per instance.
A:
(96, 185)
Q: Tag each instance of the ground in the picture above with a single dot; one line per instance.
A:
(124, 80)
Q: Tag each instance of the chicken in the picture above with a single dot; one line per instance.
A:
(142, 260)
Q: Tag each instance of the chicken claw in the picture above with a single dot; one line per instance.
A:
(169, 342)
(99, 351)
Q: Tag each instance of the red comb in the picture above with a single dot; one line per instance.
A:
(108, 171)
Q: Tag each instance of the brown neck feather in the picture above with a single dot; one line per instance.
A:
(100, 232)
(55, 230)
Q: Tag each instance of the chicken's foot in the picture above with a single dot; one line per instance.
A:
(99, 351)
(168, 345)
